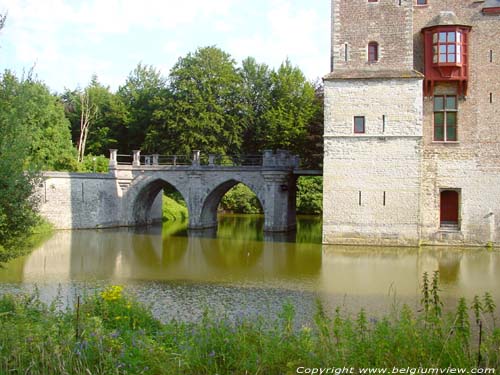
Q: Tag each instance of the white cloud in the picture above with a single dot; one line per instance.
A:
(299, 33)
(71, 39)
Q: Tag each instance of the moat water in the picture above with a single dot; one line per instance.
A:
(237, 270)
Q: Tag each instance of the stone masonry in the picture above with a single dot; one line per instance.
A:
(384, 186)
(130, 194)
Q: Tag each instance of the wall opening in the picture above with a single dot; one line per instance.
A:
(449, 209)
(240, 199)
(231, 197)
(159, 201)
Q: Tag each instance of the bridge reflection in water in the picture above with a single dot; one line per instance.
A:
(275, 265)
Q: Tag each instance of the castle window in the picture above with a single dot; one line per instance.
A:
(372, 52)
(445, 118)
(449, 208)
(447, 47)
(373, 1)
(359, 124)
(421, 2)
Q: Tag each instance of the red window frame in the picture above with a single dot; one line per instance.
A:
(447, 47)
(372, 52)
(445, 118)
(357, 129)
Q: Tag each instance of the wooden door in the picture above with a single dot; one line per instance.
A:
(449, 207)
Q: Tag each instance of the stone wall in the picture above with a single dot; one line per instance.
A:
(84, 200)
(355, 23)
(132, 194)
(371, 181)
(352, 163)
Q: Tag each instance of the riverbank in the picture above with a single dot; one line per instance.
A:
(21, 246)
(111, 333)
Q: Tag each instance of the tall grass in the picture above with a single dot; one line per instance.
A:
(111, 333)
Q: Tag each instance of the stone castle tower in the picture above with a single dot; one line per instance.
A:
(412, 132)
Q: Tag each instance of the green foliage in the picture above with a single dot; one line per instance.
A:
(292, 108)
(33, 122)
(109, 332)
(144, 95)
(282, 110)
(108, 128)
(33, 134)
(203, 112)
(207, 103)
(310, 195)
(242, 200)
(256, 101)
(94, 164)
(174, 210)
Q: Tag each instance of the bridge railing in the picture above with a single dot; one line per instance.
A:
(235, 160)
(269, 159)
(123, 159)
(173, 160)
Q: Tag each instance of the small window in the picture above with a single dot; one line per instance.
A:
(421, 2)
(359, 124)
(373, 1)
(449, 208)
(372, 52)
(445, 118)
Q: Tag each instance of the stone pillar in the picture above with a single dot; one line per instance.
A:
(211, 160)
(156, 158)
(280, 201)
(137, 158)
(113, 158)
(196, 158)
(268, 158)
(194, 200)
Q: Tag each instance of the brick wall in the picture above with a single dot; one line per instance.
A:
(356, 23)
(471, 165)
(353, 163)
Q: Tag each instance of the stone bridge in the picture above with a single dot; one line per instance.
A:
(129, 194)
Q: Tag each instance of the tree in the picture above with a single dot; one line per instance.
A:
(204, 110)
(292, 107)
(98, 118)
(312, 148)
(256, 94)
(143, 94)
(34, 135)
(88, 113)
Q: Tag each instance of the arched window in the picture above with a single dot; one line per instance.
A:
(372, 52)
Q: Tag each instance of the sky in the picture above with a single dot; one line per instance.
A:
(67, 41)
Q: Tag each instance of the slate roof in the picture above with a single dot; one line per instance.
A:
(446, 18)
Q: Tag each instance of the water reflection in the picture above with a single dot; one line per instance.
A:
(239, 267)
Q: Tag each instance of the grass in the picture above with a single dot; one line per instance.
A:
(111, 333)
(173, 210)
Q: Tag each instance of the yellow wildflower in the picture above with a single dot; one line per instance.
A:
(112, 293)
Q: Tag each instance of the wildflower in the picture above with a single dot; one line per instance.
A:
(211, 354)
(112, 293)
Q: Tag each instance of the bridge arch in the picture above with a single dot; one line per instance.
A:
(142, 197)
(208, 215)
